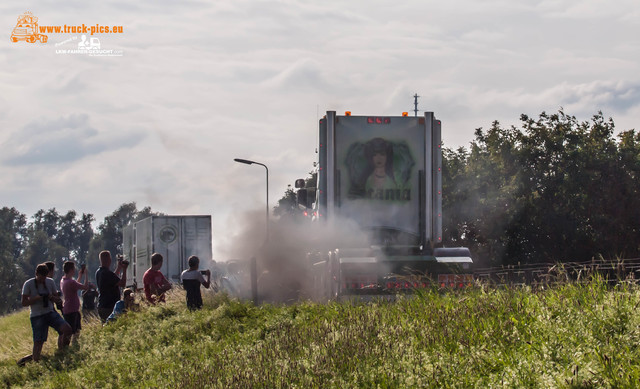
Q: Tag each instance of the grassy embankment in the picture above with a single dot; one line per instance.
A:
(569, 336)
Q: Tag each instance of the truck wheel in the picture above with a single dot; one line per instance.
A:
(44, 38)
(31, 39)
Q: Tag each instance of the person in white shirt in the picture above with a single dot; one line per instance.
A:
(192, 279)
(39, 293)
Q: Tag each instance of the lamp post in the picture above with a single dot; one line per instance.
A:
(248, 162)
(253, 265)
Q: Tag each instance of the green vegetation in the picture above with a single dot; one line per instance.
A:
(568, 336)
(552, 190)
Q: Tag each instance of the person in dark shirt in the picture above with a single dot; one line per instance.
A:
(89, 302)
(191, 281)
(89, 298)
(109, 284)
(52, 273)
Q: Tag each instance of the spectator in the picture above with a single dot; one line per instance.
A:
(191, 281)
(155, 283)
(52, 273)
(89, 301)
(109, 284)
(39, 293)
(70, 288)
(122, 306)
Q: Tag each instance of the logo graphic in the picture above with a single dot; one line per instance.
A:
(89, 44)
(27, 29)
(168, 234)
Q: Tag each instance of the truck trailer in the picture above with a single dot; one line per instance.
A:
(175, 237)
(385, 174)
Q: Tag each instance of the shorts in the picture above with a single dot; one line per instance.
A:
(74, 320)
(40, 325)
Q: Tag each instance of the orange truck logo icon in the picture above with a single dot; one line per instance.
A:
(27, 29)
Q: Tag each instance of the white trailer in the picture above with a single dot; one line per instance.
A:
(175, 237)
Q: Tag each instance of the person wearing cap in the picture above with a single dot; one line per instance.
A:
(191, 280)
(39, 294)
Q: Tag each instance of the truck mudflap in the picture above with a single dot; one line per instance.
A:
(453, 255)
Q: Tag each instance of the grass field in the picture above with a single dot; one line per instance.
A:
(569, 336)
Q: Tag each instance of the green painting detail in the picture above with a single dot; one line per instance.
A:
(379, 170)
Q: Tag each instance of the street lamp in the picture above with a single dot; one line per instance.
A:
(253, 265)
(248, 162)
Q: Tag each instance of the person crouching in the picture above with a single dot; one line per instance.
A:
(124, 305)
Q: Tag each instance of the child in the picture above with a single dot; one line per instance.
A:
(122, 306)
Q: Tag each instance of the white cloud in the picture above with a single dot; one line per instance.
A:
(63, 140)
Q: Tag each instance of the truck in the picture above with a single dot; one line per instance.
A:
(27, 29)
(176, 237)
(384, 174)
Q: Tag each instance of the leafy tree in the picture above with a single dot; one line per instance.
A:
(13, 235)
(14, 223)
(109, 235)
(84, 234)
(553, 190)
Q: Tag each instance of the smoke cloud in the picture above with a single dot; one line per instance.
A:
(283, 261)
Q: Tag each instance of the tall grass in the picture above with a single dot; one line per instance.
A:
(570, 336)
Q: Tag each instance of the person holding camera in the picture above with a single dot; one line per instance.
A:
(192, 279)
(155, 283)
(39, 293)
(109, 283)
(70, 288)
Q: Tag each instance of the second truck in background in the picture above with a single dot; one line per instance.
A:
(175, 237)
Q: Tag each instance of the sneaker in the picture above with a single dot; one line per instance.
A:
(23, 361)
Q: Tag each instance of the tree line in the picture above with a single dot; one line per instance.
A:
(550, 190)
(58, 237)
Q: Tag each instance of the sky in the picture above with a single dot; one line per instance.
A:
(190, 85)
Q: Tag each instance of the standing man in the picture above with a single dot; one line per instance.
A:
(109, 284)
(39, 293)
(52, 273)
(191, 281)
(155, 284)
(70, 288)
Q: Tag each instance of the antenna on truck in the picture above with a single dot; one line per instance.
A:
(415, 104)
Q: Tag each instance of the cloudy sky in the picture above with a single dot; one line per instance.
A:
(202, 82)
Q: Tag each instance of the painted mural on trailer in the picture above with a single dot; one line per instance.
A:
(379, 168)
